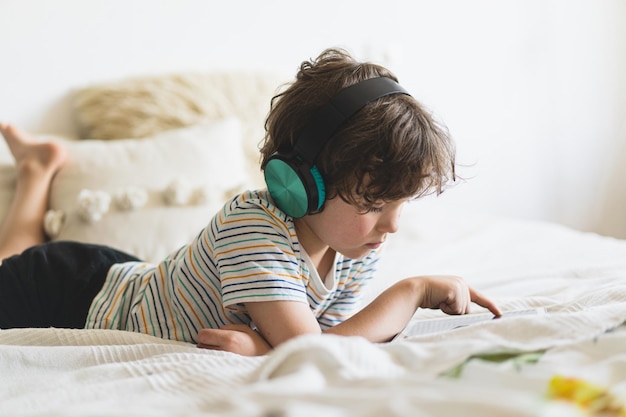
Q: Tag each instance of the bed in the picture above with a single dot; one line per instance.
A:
(570, 361)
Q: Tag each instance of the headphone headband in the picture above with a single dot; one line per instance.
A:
(341, 107)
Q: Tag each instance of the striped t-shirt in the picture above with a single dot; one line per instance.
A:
(248, 252)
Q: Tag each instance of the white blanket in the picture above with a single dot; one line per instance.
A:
(581, 279)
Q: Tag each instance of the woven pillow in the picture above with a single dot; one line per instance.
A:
(160, 191)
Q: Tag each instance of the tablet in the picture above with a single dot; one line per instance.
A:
(417, 327)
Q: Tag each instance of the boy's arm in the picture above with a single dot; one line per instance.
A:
(277, 322)
(379, 321)
(389, 313)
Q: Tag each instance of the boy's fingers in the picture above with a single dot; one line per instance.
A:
(235, 338)
(483, 301)
(217, 338)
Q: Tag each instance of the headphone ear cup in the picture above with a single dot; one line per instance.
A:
(318, 183)
(295, 189)
(286, 187)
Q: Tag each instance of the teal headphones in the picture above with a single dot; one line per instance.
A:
(293, 180)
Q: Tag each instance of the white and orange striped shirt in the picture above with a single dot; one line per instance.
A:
(248, 252)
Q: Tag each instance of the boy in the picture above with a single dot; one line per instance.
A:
(345, 148)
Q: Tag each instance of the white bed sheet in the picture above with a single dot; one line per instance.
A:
(580, 279)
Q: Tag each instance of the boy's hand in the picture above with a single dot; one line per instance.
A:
(235, 338)
(452, 295)
(389, 313)
(277, 322)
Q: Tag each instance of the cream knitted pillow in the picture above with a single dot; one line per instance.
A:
(148, 196)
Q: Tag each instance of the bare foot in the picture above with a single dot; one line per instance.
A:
(32, 156)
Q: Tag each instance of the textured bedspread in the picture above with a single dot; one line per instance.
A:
(496, 368)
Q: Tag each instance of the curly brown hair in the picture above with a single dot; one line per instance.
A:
(389, 150)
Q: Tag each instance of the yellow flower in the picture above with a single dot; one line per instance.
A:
(586, 395)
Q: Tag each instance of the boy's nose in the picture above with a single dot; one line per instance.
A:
(390, 222)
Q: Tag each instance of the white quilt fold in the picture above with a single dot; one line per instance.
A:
(431, 355)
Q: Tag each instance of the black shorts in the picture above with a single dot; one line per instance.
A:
(53, 284)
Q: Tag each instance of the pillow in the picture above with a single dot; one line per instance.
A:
(145, 105)
(159, 191)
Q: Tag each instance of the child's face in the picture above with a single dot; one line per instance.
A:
(349, 231)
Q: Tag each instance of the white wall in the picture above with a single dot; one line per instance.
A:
(534, 91)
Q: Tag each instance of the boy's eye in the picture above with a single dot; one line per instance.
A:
(375, 209)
